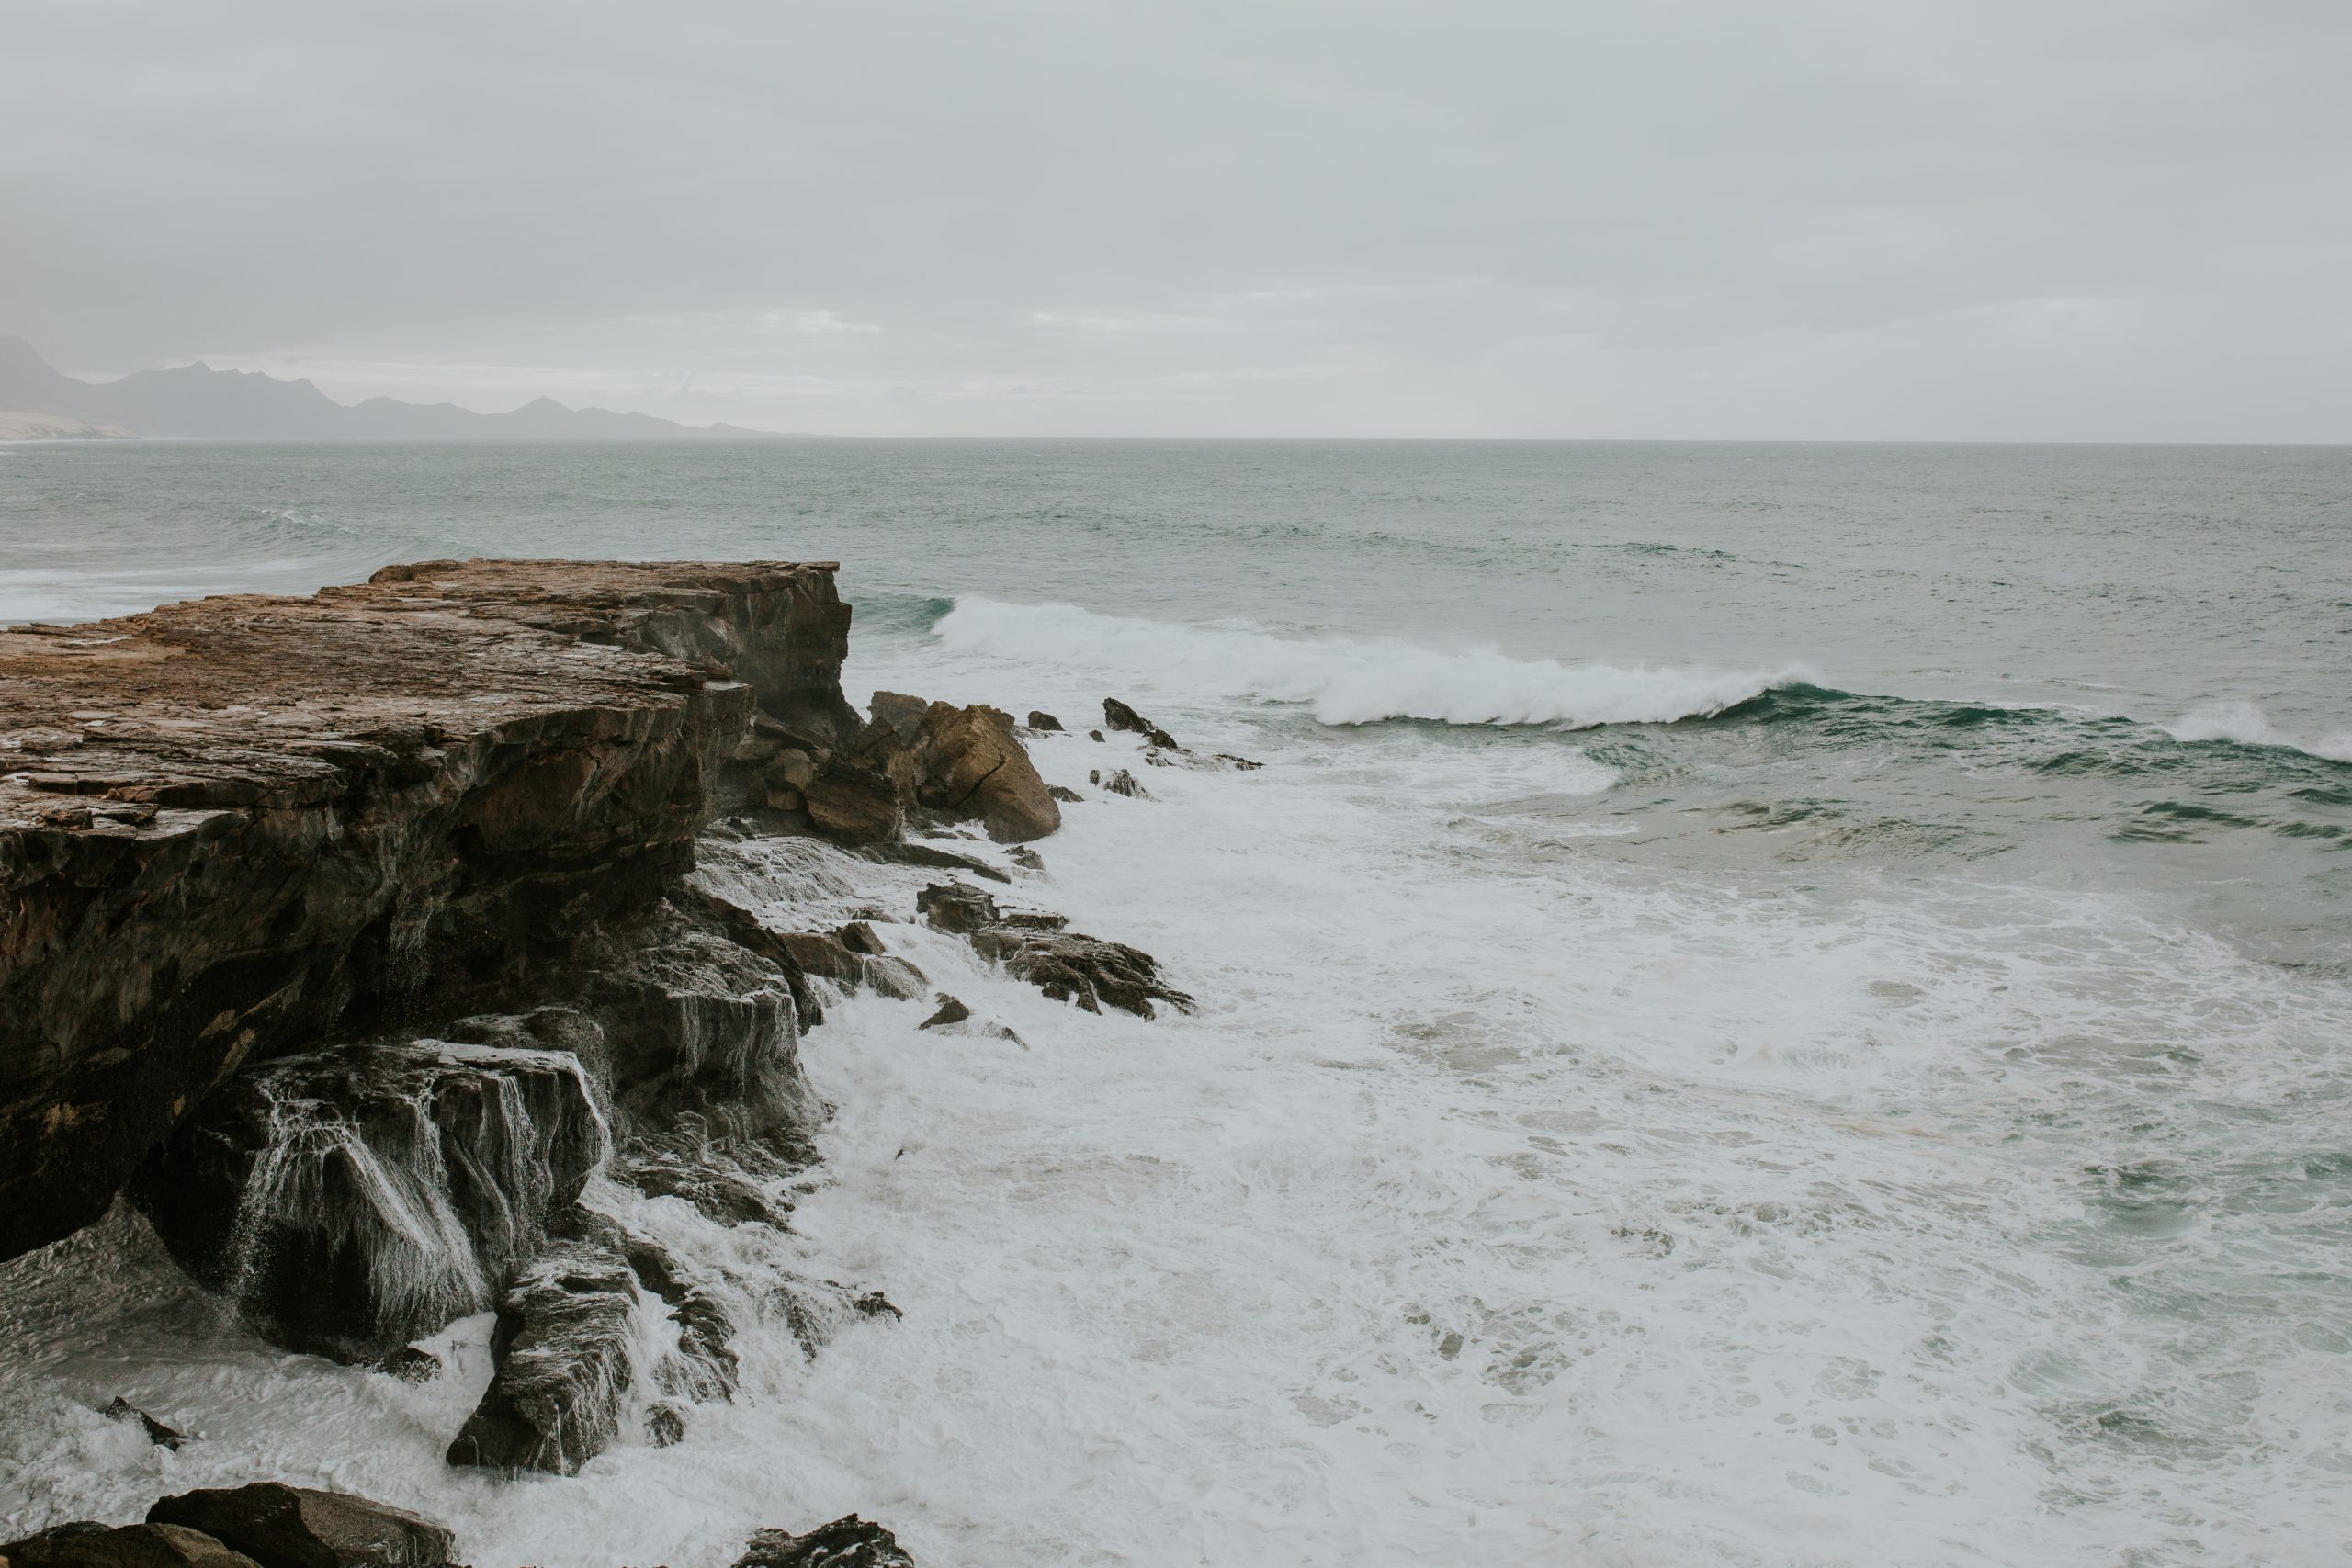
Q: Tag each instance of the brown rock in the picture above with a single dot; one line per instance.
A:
(294, 1526)
(131, 1546)
(1039, 720)
(853, 805)
(950, 1012)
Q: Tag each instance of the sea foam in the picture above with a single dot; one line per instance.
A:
(2248, 725)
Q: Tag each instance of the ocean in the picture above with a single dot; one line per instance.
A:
(1771, 1004)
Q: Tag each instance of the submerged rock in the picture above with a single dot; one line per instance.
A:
(847, 1542)
(351, 1201)
(294, 1526)
(1060, 792)
(1122, 783)
(85, 1545)
(411, 1364)
(163, 1436)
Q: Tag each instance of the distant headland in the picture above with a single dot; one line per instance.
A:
(41, 403)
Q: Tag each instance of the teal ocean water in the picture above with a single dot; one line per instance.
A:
(1773, 1004)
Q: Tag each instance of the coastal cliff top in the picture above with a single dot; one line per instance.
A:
(237, 699)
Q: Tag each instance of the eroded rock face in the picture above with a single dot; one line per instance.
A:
(352, 1200)
(295, 1527)
(960, 764)
(235, 825)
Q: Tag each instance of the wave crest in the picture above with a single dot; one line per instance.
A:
(1353, 681)
(2245, 724)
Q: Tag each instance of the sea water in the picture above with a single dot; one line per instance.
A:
(1771, 1005)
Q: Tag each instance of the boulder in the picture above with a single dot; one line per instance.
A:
(954, 907)
(349, 1202)
(847, 1542)
(1041, 720)
(950, 1012)
(1060, 792)
(964, 764)
(895, 978)
(1117, 714)
(1122, 783)
(295, 1527)
(562, 1346)
(84, 1545)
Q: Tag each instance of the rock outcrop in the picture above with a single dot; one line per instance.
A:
(847, 1542)
(85, 1545)
(1068, 966)
(958, 764)
(232, 826)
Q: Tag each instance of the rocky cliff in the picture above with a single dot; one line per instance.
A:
(233, 826)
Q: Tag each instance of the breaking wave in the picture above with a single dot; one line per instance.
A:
(2248, 725)
(1353, 681)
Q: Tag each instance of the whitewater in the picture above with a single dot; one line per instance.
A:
(1704, 1057)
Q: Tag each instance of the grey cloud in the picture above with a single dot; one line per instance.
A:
(2077, 220)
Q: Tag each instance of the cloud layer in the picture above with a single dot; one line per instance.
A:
(2085, 220)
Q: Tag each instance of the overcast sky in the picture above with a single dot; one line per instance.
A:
(1977, 219)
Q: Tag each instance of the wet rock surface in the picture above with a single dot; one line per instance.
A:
(162, 1436)
(293, 1527)
(1067, 965)
(846, 1542)
(562, 1346)
(85, 1545)
(351, 1201)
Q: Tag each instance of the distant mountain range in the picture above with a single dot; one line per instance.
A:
(38, 401)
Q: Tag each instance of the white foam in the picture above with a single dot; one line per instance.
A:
(1348, 680)
(2246, 723)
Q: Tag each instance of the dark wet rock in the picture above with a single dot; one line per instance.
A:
(847, 1542)
(874, 1304)
(1122, 783)
(1094, 735)
(1241, 763)
(86, 1545)
(950, 1012)
(858, 937)
(1042, 720)
(1033, 946)
(562, 1349)
(411, 1364)
(294, 1526)
(1023, 855)
(350, 1200)
(1004, 1031)
(1062, 792)
(933, 858)
(895, 978)
(163, 1436)
(1118, 715)
(705, 1367)
(700, 1017)
(1072, 967)
(853, 805)
(961, 764)
(310, 817)
(953, 906)
(665, 1425)
(682, 1166)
